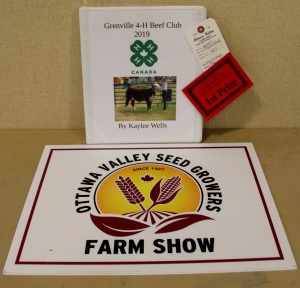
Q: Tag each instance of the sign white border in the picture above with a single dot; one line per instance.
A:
(281, 260)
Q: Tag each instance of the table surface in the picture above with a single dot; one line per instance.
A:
(279, 154)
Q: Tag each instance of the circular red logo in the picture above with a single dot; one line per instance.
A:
(200, 29)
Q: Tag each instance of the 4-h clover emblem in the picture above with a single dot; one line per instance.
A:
(143, 53)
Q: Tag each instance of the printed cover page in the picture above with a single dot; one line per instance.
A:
(135, 63)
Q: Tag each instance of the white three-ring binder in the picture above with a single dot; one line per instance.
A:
(137, 47)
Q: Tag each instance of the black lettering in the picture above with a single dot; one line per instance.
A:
(176, 245)
(104, 167)
(157, 243)
(211, 194)
(85, 189)
(120, 162)
(81, 202)
(105, 247)
(168, 158)
(206, 244)
(89, 245)
(79, 195)
(136, 157)
(146, 156)
(220, 91)
(202, 174)
(189, 245)
(113, 164)
(176, 160)
(137, 248)
(214, 201)
(95, 175)
(88, 181)
(214, 186)
(213, 208)
(83, 209)
(127, 159)
(120, 246)
(208, 179)
(160, 157)
(196, 169)
(184, 163)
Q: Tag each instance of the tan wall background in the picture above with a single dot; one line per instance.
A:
(40, 68)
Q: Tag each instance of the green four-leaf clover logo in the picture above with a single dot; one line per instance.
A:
(143, 53)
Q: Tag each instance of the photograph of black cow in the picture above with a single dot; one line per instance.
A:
(147, 98)
(141, 94)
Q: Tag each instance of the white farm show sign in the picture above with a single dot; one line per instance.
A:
(100, 210)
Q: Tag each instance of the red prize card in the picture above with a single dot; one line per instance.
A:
(218, 86)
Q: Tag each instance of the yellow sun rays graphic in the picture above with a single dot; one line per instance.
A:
(109, 198)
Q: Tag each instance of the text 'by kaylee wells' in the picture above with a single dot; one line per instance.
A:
(138, 126)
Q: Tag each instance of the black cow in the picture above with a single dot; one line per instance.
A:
(141, 94)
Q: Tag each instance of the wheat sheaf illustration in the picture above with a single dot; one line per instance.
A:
(137, 222)
(130, 191)
(159, 194)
